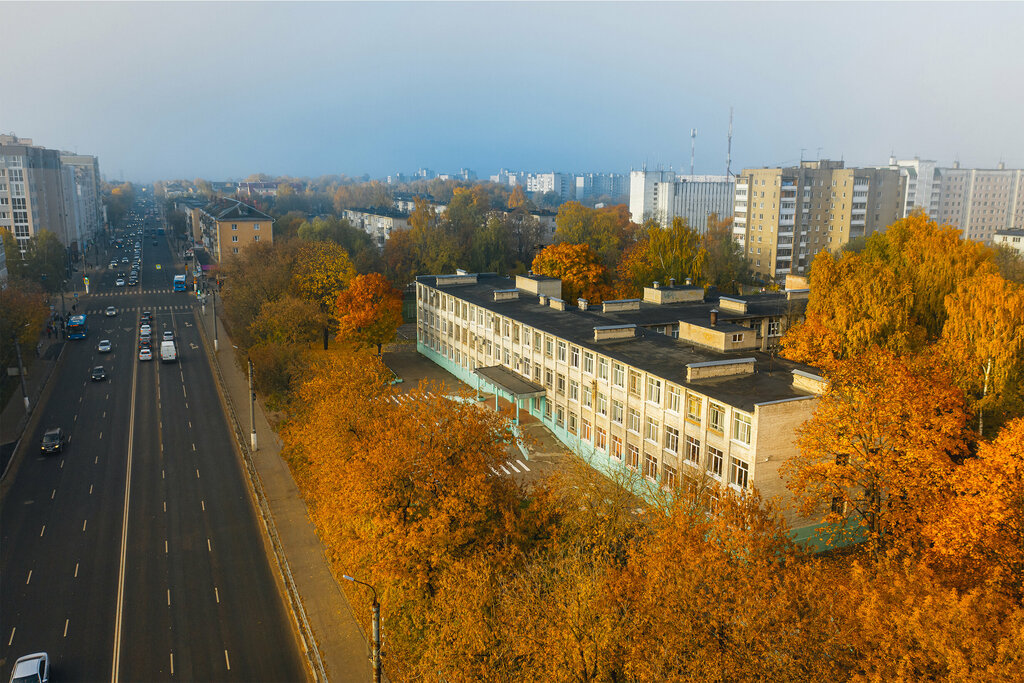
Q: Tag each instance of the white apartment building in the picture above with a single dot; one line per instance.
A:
(563, 184)
(670, 386)
(923, 185)
(377, 223)
(664, 195)
(1014, 239)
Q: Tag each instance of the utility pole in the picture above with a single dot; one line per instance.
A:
(375, 652)
(214, 297)
(21, 373)
(252, 408)
(693, 147)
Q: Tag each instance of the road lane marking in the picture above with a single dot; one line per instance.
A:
(66, 621)
(197, 473)
(101, 436)
(53, 494)
(227, 660)
(104, 414)
(203, 503)
(168, 597)
(193, 446)
(90, 489)
(29, 577)
(76, 419)
(84, 523)
(165, 506)
(43, 531)
(11, 639)
(513, 466)
(183, 391)
(165, 548)
(62, 463)
(76, 570)
(208, 547)
(163, 474)
(96, 460)
(216, 594)
(116, 656)
(504, 470)
(523, 465)
(172, 663)
(190, 421)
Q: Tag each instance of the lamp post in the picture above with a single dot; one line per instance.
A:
(252, 408)
(375, 652)
(21, 372)
(214, 298)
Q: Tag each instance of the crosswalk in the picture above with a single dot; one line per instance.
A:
(133, 290)
(139, 309)
(399, 399)
(521, 469)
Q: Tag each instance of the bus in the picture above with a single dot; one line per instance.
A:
(179, 283)
(77, 327)
(159, 231)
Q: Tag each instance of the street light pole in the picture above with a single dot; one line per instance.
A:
(375, 652)
(21, 373)
(214, 297)
(252, 408)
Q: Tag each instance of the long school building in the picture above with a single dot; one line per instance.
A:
(672, 386)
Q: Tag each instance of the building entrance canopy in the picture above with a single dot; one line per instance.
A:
(509, 382)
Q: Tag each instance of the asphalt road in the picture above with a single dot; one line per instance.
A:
(181, 588)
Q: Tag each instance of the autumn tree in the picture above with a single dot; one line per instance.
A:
(580, 269)
(606, 231)
(22, 315)
(260, 273)
(877, 453)
(983, 340)
(662, 254)
(369, 311)
(725, 267)
(400, 263)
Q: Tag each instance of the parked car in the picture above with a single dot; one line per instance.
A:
(104, 346)
(145, 354)
(99, 374)
(110, 312)
(53, 441)
(32, 669)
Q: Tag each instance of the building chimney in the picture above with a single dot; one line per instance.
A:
(689, 281)
(582, 303)
(543, 300)
(714, 317)
(657, 285)
(671, 282)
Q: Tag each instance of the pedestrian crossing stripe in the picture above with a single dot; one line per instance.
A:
(134, 291)
(136, 309)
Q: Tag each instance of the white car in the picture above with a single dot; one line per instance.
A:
(32, 669)
(104, 346)
(110, 312)
(119, 282)
(145, 329)
(168, 335)
(145, 354)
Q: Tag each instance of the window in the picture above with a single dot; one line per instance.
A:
(255, 238)
(574, 390)
(616, 451)
(650, 467)
(617, 411)
(602, 368)
(572, 422)
(536, 342)
(574, 356)
(674, 398)
(714, 461)
(694, 406)
(738, 337)
(602, 404)
(634, 383)
(549, 347)
(588, 396)
(255, 226)
(549, 379)
(693, 450)
(588, 362)
(716, 417)
(618, 375)
(235, 250)
(741, 427)
(234, 238)
(651, 430)
(547, 409)
(739, 473)
(560, 416)
(585, 433)
(561, 351)
(671, 439)
(634, 421)
(633, 456)
(654, 390)
(560, 384)
(234, 226)
(773, 328)
(668, 476)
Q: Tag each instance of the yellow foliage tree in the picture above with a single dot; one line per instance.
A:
(369, 311)
(579, 268)
(661, 254)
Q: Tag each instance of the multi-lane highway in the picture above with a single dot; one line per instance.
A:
(136, 553)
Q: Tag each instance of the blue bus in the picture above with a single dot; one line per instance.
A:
(77, 327)
(179, 283)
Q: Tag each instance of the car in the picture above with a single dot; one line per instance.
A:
(104, 346)
(147, 317)
(124, 259)
(133, 281)
(98, 374)
(32, 669)
(110, 312)
(113, 265)
(146, 344)
(145, 328)
(145, 354)
(119, 282)
(168, 335)
(53, 441)
(154, 243)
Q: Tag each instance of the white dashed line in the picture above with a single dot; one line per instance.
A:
(11, 639)
(166, 549)
(84, 522)
(43, 531)
(29, 579)
(172, 663)
(66, 622)
(197, 473)
(101, 436)
(208, 546)
(203, 503)
(90, 489)
(76, 570)
(523, 465)
(54, 493)
(168, 597)
(216, 594)
(227, 660)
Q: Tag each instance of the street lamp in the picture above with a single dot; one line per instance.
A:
(21, 372)
(252, 405)
(375, 653)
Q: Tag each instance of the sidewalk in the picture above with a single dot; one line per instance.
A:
(14, 420)
(321, 607)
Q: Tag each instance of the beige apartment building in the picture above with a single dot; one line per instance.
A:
(226, 226)
(672, 387)
(784, 216)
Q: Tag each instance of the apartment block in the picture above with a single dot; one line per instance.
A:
(377, 223)
(32, 195)
(83, 191)
(562, 184)
(784, 216)
(226, 226)
(1014, 239)
(664, 195)
(670, 386)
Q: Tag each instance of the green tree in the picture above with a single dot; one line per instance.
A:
(662, 254)
(724, 264)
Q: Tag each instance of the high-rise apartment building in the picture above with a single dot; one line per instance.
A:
(664, 195)
(82, 193)
(784, 216)
(562, 184)
(978, 201)
(31, 191)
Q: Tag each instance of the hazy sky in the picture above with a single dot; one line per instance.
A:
(219, 90)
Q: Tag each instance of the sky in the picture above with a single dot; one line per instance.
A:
(224, 90)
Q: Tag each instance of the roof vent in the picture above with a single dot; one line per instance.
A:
(506, 294)
(543, 299)
(671, 282)
(657, 285)
(605, 332)
(582, 303)
(714, 317)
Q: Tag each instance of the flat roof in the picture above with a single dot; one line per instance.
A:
(510, 381)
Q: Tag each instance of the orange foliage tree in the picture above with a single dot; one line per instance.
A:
(369, 311)
(579, 268)
(877, 453)
(661, 254)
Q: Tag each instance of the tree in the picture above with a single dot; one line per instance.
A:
(400, 263)
(579, 268)
(879, 448)
(369, 311)
(983, 339)
(662, 254)
(606, 231)
(259, 273)
(1010, 263)
(725, 267)
(321, 271)
(22, 315)
(287, 320)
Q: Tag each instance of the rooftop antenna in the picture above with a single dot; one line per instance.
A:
(693, 147)
(728, 148)
(802, 150)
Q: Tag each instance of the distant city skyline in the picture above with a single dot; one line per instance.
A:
(225, 90)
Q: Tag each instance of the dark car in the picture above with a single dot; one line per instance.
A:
(98, 374)
(53, 441)
(147, 317)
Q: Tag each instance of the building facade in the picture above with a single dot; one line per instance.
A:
(1013, 239)
(782, 217)
(83, 189)
(664, 195)
(226, 226)
(377, 223)
(672, 387)
(32, 195)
